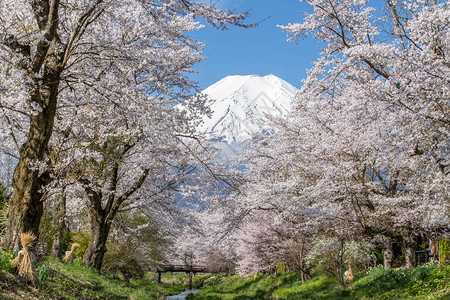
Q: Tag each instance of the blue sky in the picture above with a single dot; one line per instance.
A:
(262, 50)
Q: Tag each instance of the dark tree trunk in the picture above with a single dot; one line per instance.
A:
(433, 249)
(302, 264)
(44, 69)
(93, 257)
(340, 275)
(340, 262)
(26, 203)
(303, 276)
(388, 254)
(60, 213)
(101, 216)
(410, 253)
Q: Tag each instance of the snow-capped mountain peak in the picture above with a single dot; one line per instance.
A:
(239, 106)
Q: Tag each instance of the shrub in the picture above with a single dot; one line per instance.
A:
(403, 283)
(121, 258)
(82, 239)
(280, 268)
(328, 255)
(48, 230)
(444, 252)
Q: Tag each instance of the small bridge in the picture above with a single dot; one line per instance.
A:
(191, 270)
(184, 269)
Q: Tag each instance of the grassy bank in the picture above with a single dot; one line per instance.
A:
(425, 282)
(78, 282)
(62, 281)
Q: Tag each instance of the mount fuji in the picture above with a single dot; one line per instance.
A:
(240, 106)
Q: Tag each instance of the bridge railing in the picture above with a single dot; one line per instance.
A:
(183, 268)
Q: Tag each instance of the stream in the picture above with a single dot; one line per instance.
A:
(183, 295)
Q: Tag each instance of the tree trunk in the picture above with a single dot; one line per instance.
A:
(433, 249)
(26, 203)
(410, 253)
(101, 217)
(303, 276)
(93, 257)
(60, 212)
(340, 275)
(388, 254)
(340, 262)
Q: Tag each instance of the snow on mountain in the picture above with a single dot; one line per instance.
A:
(240, 105)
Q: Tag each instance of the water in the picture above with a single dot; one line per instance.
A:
(183, 295)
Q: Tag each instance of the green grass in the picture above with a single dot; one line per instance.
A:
(87, 283)
(63, 281)
(425, 282)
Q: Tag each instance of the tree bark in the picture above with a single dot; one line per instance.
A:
(93, 257)
(303, 276)
(340, 262)
(433, 243)
(101, 216)
(388, 254)
(60, 212)
(26, 203)
(44, 69)
(410, 253)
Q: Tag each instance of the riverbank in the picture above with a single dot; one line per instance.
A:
(78, 282)
(426, 282)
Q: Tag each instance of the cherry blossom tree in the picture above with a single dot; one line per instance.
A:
(265, 242)
(63, 55)
(126, 172)
(390, 94)
(366, 148)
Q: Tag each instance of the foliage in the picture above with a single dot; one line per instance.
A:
(364, 151)
(4, 195)
(75, 281)
(263, 241)
(217, 261)
(82, 239)
(135, 246)
(121, 258)
(92, 99)
(280, 268)
(330, 255)
(444, 251)
(429, 279)
(425, 282)
(93, 105)
(5, 260)
(42, 273)
(48, 230)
